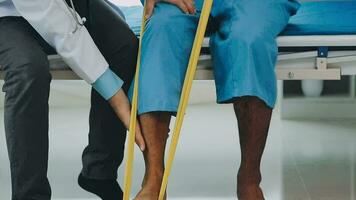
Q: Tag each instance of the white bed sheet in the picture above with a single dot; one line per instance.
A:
(311, 41)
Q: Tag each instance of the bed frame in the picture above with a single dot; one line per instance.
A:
(300, 58)
(306, 58)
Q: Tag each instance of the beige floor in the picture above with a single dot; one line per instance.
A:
(303, 159)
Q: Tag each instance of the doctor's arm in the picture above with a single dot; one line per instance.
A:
(55, 23)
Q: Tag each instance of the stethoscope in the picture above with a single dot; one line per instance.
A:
(79, 22)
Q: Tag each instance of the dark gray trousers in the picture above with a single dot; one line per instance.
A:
(23, 57)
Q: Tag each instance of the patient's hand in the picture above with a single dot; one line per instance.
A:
(122, 108)
(187, 6)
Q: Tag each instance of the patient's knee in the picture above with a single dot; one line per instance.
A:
(253, 38)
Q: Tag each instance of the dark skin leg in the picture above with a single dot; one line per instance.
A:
(155, 128)
(253, 117)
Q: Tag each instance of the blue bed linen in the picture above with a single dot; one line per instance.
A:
(133, 15)
(313, 18)
(324, 18)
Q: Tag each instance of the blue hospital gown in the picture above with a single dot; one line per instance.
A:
(243, 47)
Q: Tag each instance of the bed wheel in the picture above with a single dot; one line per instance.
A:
(312, 88)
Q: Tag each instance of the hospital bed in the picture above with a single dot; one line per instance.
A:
(319, 43)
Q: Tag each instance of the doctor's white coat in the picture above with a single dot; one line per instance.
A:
(55, 23)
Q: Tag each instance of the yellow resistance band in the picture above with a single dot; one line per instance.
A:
(132, 129)
(193, 62)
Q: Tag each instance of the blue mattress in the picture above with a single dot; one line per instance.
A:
(324, 18)
(313, 18)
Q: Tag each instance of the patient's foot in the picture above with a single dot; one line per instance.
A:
(248, 186)
(105, 189)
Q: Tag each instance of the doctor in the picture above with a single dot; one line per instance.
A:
(103, 53)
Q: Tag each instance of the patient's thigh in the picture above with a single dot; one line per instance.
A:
(167, 43)
(266, 18)
(169, 30)
(247, 28)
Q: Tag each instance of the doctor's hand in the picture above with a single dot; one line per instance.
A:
(122, 108)
(187, 6)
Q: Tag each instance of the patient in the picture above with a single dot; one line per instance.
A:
(244, 54)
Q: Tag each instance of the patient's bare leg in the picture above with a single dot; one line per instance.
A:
(253, 117)
(155, 128)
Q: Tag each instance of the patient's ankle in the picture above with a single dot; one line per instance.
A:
(153, 179)
(249, 176)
